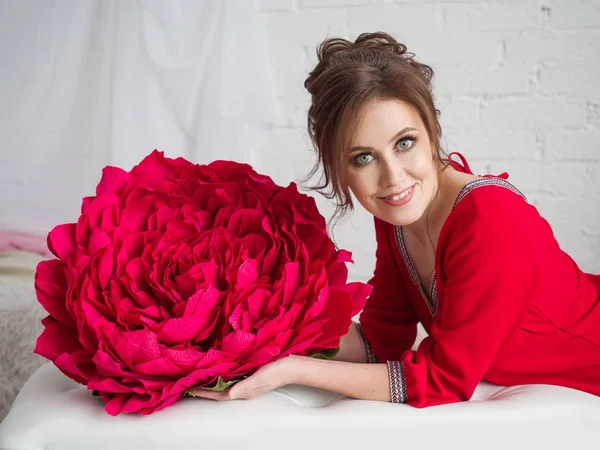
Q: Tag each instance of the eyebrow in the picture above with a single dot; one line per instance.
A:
(396, 136)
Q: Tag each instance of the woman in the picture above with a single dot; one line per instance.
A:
(465, 255)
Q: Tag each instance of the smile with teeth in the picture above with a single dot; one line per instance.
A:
(402, 194)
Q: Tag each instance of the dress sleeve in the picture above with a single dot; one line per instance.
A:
(490, 268)
(388, 323)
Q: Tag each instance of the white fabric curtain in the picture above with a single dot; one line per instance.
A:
(89, 83)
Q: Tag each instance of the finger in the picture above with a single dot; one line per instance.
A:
(240, 390)
(247, 390)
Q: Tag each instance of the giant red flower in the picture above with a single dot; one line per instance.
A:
(177, 274)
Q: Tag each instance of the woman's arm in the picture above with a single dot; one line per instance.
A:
(352, 346)
(360, 381)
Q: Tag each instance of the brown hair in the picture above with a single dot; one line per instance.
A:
(348, 76)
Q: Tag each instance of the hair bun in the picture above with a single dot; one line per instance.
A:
(378, 41)
(381, 41)
(336, 50)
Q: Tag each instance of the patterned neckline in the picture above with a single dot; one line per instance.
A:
(431, 297)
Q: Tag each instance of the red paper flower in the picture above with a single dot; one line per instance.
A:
(177, 274)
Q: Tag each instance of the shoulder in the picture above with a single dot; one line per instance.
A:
(490, 214)
(493, 202)
(488, 195)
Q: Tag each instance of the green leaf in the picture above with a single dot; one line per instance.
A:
(221, 385)
(218, 387)
(327, 354)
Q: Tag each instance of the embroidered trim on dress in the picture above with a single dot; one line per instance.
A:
(397, 381)
(485, 182)
(431, 304)
(370, 357)
(433, 289)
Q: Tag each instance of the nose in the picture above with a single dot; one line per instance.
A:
(391, 173)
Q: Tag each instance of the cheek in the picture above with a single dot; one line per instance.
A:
(424, 167)
(359, 183)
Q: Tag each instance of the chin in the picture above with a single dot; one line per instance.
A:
(400, 216)
(402, 220)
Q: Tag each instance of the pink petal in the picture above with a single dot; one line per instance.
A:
(113, 180)
(318, 306)
(142, 345)
(237, 342)
(51, 290)
(159, 367)
(108, 385)
(105, 265)
(305, 336)
(186, 359)
(182, 329)
(114, 406)
(291, 283)
(66, 365)
(202, 302)
(247, 273)
(85, 203)
(257, 301)
(240, 319)
(98, 240)
(340, 274)
(134, 217)
(92, 313)
(264, 355)
(132, 246)
(151, 407)
(338, 309)
(107, 366)
(212, 357)
(56, 339)
(359, 293)
(62, 241)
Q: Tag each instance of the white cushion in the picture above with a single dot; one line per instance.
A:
(54, 413)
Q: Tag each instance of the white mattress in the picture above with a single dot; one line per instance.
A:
(52, 413)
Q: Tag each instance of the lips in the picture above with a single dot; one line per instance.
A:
(398, 195)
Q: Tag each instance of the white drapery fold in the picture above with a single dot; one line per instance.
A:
(91, 83)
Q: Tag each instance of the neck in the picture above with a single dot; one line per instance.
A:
(433, 215)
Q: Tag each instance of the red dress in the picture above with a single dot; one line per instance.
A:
(507, 305)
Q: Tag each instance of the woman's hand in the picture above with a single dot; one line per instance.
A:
(269, 377)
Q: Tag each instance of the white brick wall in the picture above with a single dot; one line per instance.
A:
(516, 82)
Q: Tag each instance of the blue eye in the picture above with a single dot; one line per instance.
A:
(405, 143)
(362, 159)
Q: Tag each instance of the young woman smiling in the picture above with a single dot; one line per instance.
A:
(466, 256)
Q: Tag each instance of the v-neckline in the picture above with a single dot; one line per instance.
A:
(431, 297)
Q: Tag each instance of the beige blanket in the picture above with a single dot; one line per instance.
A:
(20, 316)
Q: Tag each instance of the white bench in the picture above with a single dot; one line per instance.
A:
(54, 413)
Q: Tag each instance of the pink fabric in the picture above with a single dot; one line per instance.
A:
(15, 240)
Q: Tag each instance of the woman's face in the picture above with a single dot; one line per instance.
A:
(391, 170)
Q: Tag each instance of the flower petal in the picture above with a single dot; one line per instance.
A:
(51, 290)
(62, 241)
(113, 180)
